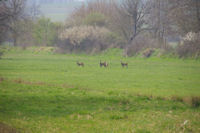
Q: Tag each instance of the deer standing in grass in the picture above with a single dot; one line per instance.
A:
(105, 64)
(124, 64)
(80, 64)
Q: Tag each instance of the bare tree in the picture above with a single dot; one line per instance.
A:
(159, 20)
(135, 10)
(34, 11)
(10, 12)
(4, 19)
(104, 7)
(198, 13)
(185, 15)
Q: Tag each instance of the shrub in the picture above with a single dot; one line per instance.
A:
(190, 47)
(95, 19)
(139, 43)
(87, 39)
(115, 39)
(45, 32)
(148, 52)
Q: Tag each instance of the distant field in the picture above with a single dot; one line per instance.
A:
(45, 92)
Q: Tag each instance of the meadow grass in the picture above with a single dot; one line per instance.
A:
(45, 92)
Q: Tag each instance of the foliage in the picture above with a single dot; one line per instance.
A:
(25, 33)
(77, 35)
(190, 46)
(136, 10)
(10, 12)
(131, 18)
(140, 43)
(185, 15)
(39, 32)
(44, 32)
(88, 38)
(95, 19)
(148, 52)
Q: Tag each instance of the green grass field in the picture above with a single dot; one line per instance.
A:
(43, 92)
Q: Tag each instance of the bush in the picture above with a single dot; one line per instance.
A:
(95, 19)
(190, 47)
(87, 39)
(148, 52)
(139, 43)
(45, 32)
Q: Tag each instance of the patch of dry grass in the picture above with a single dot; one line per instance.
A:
(7, 129)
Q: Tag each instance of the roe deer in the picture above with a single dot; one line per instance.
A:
(80, 64)
(124, 64)
(105, 64)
